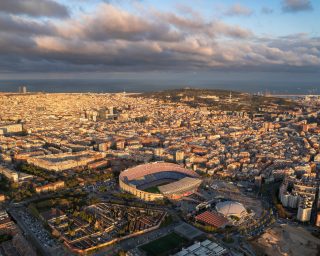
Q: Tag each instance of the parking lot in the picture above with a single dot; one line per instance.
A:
(37, 234)
(101, 186)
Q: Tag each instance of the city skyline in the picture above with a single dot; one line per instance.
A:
(217, 41)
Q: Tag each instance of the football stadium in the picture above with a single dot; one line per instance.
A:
(154, 181)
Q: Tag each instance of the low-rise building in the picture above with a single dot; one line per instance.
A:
(205, 248)
(50, 187)
(212, 219)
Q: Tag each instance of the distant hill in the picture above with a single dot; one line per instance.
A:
(221, 100)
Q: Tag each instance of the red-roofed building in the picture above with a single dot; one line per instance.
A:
(212, 219)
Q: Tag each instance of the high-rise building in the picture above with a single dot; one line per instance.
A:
(111, 110)
(318, 220)
(23, 89)
(99, 115)
(179, 156)
(285, 199)
(293, 200)
(304, 210)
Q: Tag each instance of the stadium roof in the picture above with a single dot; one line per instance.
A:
(228, 208)
(180, 185)
(150, 168)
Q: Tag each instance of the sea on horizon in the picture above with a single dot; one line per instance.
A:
(134, 85)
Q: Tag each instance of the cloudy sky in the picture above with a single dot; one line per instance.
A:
(96, 38)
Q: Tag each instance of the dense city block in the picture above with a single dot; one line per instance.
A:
(178, 172)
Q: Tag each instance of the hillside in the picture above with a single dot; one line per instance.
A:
(222, 100)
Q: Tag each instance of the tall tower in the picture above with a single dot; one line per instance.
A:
(111, 110)
(23, 89)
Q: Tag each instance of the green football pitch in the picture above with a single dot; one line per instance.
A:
(153, 190)
(163, 245)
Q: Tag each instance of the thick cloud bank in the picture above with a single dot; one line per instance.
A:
(112, 39)
(34, 8)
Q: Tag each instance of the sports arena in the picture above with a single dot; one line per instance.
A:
(157, 180)
(230, 208)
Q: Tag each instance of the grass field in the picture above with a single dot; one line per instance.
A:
(153, 190)
(163, 245)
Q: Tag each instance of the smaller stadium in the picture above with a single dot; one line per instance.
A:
(230, 208)
(154, 181)
(235, 212)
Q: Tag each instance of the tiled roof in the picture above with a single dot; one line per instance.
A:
(212, 218)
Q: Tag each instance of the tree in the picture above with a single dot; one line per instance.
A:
(14, 185)
(122, 253)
